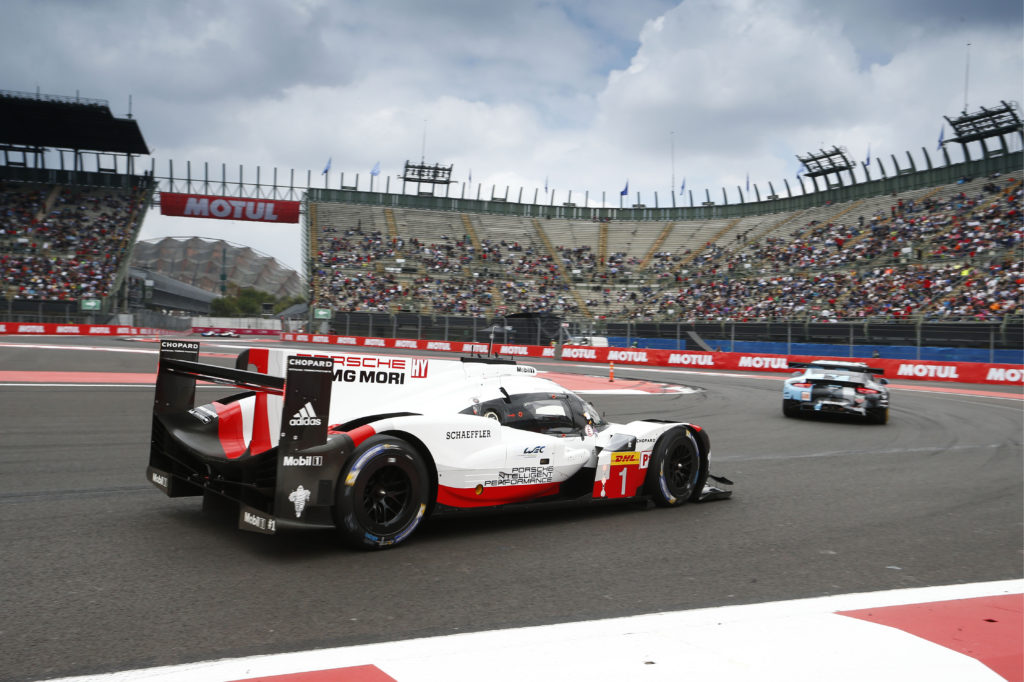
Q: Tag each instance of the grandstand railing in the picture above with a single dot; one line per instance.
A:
(901, 181)
(996, 341)
(53, 176)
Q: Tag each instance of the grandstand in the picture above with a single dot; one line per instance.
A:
(66, 233)
(652, 270)
(939, 242)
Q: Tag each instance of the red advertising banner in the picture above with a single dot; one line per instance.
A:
(70, 329)
(963, 372)
(229, 208)
(473, 347)
(241, 331)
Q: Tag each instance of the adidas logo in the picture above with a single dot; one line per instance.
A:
(305, 417)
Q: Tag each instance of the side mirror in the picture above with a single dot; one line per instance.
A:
(883, 381)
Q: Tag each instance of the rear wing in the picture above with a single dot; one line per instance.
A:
(836, 367)
(295, 407)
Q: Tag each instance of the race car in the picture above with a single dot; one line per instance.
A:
(227, 334)
(836, 387)
(370, 445)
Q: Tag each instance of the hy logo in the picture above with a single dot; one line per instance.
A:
(305, 417)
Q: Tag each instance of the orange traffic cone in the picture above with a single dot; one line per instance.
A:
(611, 371)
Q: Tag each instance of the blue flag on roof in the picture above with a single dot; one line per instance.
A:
(748, 182)
(625, 190)
(867, 162)
(376, 169)
(545, 184)
(682, 188)
(942, 131)
(327, 167)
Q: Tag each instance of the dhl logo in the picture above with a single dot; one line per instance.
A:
(620, 459)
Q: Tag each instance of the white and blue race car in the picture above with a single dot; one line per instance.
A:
(836, 387)
(370, 445)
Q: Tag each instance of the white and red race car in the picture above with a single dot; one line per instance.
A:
(370, 445)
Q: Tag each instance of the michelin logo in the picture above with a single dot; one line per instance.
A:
(305, 417)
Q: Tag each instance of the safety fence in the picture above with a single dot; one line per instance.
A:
(966, 372)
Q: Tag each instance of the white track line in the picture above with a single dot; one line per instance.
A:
(791, 640)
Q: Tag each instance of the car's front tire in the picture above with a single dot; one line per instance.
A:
(677, 471)
(382, 494)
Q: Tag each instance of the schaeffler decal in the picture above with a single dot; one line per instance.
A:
(470, 433)
(305, 417)
(299, 497)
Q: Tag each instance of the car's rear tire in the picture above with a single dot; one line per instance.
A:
(879, 415)
(382, 493)
(677, 471)
(790, 408)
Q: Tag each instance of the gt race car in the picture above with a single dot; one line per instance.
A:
(836, 387)
(370, 445)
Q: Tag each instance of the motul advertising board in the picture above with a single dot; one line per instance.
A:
(472, 347)
(964, 372)
(229, 208)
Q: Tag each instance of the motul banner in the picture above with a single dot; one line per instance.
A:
(229, 208)
(472, 347)
(238, 330)
(895, 370)
(72, 329)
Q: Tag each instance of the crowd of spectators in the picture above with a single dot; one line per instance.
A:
(943, 256)
(63, 243)
(954, 254)
(922, 258)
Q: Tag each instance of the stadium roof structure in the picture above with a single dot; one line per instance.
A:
(986, 123)
(831, 161)
(50, 121)
(215, 265)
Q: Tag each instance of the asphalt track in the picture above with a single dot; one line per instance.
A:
(101, 572)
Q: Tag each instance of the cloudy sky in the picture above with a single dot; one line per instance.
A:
(581, 95)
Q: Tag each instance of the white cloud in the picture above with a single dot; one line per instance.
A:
(585, 94)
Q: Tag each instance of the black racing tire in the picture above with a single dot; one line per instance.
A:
(677, 471)
(879, 415)
(383, 493)
(790, 408)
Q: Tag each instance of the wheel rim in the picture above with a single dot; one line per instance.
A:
(386, 497)
(681, 471)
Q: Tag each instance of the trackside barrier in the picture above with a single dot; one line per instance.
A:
(77, 329)
(238, 330)
(963, 372)
(471, 347)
